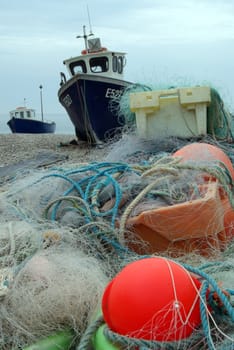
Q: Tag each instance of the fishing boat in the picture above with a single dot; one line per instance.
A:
(23, 120)
(95, 79)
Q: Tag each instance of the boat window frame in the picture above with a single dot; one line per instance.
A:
(115, 63)
(79, 63)
(28, 114)
(104, 67)
(120, 64)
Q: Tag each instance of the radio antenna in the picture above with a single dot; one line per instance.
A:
(85, 36)
(90, 27)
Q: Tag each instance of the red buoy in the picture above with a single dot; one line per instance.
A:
(153, 299)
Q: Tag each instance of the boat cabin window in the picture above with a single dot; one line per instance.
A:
(99, 64)
(117, 64)
(78, 67)
(114, 63)
(120, 64)
(22, 114)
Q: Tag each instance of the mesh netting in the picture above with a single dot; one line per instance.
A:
(219, 119)
(66, 232)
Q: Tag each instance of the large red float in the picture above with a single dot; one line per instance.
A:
(153, 299)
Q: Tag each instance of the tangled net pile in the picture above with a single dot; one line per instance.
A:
(66, 232)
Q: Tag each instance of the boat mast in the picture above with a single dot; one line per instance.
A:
(41, 102)
(85, 37)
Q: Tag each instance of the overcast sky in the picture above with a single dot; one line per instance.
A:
(169, 42)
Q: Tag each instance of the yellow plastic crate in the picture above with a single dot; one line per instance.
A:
(180, 112)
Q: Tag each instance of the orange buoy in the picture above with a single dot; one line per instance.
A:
(204, 153)
(191, 226)
(153, 299)
(84, 52)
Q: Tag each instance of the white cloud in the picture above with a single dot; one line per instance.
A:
(184, 37)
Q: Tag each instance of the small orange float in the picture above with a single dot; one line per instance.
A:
(204, 153)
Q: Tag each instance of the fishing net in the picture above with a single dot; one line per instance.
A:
(120, 104)
(219, 119)
(67, 231)
(56, 288)
(49, 281)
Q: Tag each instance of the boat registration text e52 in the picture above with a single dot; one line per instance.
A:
(113, 93)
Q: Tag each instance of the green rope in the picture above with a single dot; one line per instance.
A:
(86, 338)
(74, 200)
(133, 343)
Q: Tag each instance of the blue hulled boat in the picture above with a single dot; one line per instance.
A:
(95, 80)
(23, 120)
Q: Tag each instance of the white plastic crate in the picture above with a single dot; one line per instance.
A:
(178, 112)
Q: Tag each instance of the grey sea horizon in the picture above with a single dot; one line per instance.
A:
(63, 123)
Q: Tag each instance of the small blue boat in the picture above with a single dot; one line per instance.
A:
(95, 81)
(23, 120)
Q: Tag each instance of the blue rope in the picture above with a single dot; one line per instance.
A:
(74, 184)
(204, 316)
(227, 305)
(93, 184)
(90, 186)
(231, 292)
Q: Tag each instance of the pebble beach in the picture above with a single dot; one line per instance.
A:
(15, 148)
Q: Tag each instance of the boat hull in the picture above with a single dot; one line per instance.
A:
(30, 126)
(88, 101)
